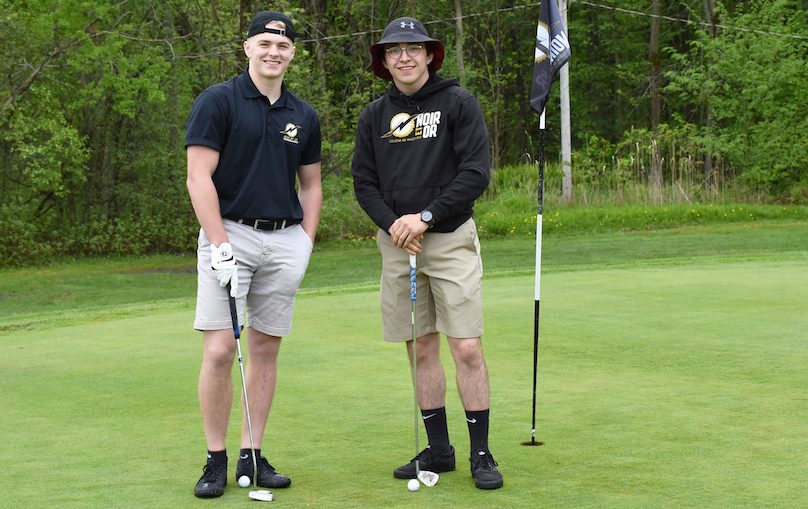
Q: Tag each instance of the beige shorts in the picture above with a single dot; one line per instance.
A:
(448, 286)
(271, 265)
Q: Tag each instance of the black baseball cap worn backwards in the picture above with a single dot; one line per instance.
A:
(404, 30)
(259, 23)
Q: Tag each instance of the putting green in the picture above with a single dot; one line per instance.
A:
(659, 386)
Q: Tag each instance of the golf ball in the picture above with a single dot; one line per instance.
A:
(413, 485)
(243, 481)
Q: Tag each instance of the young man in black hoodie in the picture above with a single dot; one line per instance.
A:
(421, 160)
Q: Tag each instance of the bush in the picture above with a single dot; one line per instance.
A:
(342, 217)
(22, 242)
(508, 208)
(130, 237)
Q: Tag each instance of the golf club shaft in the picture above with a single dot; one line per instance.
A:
(414, 359)
(237, 335)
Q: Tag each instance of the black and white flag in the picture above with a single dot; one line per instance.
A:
(552, 52)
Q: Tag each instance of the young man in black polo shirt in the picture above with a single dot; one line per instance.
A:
(421, 160)
(248, 140)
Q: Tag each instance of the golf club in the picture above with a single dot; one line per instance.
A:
(256, 494)
(425, 476)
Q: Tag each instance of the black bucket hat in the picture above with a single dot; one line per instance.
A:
(404, 30)
(259, 23)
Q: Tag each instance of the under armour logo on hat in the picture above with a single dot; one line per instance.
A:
(409, 25)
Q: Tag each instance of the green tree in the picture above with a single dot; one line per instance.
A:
(757, 85)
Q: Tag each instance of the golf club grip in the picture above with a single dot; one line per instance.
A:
(412, 278)
(233, 313)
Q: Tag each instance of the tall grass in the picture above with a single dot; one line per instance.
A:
(515, 214)
(605, 203)
(670, 165)
(510, 205)
(629, 185)
(648, 180)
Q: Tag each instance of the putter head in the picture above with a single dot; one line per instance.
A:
(428, 478)
(262, 495)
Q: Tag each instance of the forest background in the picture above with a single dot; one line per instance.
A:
(672, 101)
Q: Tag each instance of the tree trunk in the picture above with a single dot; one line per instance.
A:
(566, 128)
(710, 16)
(656, 64)
(655, 167)
(315, 12)
(461, 71)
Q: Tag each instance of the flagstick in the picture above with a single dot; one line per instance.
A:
(536, 309)
(550, 33)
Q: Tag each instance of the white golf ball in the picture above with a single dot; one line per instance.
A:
(413, 485)
(243, 481)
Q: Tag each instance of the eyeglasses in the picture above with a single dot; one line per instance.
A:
(413, 50)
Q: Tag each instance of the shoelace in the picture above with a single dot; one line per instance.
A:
(213, 472)
(262, 462)
(426, 454)
(485, 461)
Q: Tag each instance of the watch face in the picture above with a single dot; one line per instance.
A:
(426, 216)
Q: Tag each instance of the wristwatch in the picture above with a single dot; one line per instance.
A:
(426, 216)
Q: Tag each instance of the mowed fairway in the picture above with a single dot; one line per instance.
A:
(670, 385)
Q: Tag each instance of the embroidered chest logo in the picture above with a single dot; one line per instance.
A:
(290, 133)
(407, 127)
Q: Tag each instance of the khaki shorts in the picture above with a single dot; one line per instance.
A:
(271, 268)
(448, 286)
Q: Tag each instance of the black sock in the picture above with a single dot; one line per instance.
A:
(437, 430)
(248, 452)
(218, 456)
(477, 421)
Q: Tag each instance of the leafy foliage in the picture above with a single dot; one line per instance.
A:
(755, 86)
(94, 96)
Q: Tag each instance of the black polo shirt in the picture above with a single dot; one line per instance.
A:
(260, 145)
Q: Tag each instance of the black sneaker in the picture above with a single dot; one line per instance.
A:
(267, 476)
(484, 471)
(213, 480)
(434, 461)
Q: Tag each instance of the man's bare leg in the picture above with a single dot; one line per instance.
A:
(261, 374)
(216, 385)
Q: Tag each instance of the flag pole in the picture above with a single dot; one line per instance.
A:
(552, 52)
(537, 299)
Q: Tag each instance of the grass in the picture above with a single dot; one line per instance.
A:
(514, 213)
(65, 292)
(672, 375)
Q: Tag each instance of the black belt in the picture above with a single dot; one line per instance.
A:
(269, 224)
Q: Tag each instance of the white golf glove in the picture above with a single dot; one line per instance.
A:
(223, 261)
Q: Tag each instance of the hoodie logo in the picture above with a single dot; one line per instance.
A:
(401, 126)
(407, 127)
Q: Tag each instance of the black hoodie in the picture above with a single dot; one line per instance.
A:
(424, 151)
